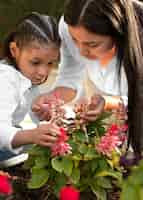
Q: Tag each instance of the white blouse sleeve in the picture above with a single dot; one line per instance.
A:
(71, 71)
(8, 104)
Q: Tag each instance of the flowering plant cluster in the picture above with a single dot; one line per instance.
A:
(85, 157)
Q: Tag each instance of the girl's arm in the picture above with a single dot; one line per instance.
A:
(44, 135)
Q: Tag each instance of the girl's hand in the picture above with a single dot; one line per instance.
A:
(40, 109)
(45, 134)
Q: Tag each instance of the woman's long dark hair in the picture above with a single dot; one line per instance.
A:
(34, 27)
(120, 20)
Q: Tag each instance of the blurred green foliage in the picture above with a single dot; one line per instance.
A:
(12, 10)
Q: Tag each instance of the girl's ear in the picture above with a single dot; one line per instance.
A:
(14, 50)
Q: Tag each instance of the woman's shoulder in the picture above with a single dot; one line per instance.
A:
(138, 5)
(63, 28)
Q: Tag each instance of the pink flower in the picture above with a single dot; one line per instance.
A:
(5, 187)
(60, 147)
(69, 193)
(108, 143)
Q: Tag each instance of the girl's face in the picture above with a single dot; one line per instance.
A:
(91, 45)
(35, 61)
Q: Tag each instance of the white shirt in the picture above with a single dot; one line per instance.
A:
(16, 95)
(73, 67)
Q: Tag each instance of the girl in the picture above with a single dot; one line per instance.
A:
(30, 52)
(105, 38)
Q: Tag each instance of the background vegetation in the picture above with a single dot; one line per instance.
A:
(12, 10)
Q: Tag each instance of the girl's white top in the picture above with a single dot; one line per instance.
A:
(16, 96)
(73, 68)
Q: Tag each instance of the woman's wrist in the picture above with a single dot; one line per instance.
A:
(112, 102)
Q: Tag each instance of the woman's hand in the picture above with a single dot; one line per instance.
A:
(121, 112)
(95, 107)
(89, 110)
(45, 134)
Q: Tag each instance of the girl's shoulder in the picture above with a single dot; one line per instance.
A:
(7, 68)
(8, 71)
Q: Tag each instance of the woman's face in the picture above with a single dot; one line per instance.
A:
(35, 61)
(91, 45)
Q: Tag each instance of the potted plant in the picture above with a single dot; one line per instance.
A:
(85, 158)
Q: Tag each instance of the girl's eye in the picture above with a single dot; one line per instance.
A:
(52, 64)
(35, 62)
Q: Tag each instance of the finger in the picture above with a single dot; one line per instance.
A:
(51, 127)
(95, 111)
(46, 144)
(89, 118)
(35, 108)
(43, 115)
(92, 113)
(49, 138)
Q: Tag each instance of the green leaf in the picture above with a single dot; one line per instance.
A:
(77, 157)
(80, 136)
(41, 162)
(90, 154)
(60, 181)
(99, 192)
(104, 182)
(83, 148)
(114, 174)
(101, 130)
(28, 164)
(57, 164)
(94, 164)
(75, 177)
(39, 178)
(67, 165)
(73, 145)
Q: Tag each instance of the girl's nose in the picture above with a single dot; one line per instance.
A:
(43, 71)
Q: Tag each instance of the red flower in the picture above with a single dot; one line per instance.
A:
(113, 130)
(69, 193)
(63, 136)
(5, 187)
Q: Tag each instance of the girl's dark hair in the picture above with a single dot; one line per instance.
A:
(34, 27)
(121, 20)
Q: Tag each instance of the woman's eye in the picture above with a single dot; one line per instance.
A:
(93, 45)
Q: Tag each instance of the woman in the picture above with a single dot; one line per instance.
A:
(105, 38)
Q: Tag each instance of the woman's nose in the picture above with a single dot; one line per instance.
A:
(83, 50)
